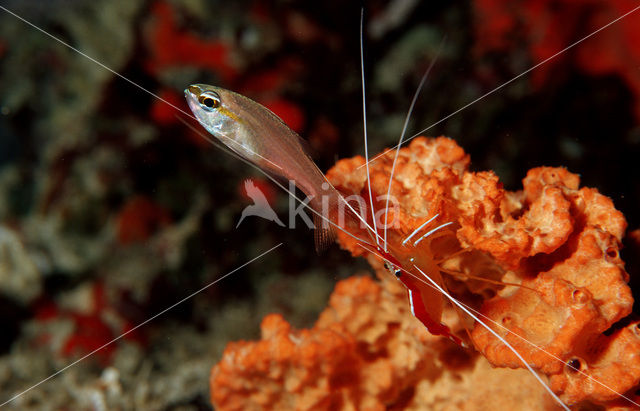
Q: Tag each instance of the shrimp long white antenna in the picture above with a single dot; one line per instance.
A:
(505, 342)
(404, 130)
(530, 69)
(364, 120)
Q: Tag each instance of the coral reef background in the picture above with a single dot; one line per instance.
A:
(111, 209)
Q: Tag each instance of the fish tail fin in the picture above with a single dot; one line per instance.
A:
(324, 234)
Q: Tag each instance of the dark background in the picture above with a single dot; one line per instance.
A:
(95, 172)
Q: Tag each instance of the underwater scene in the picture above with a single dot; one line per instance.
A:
(154, 254)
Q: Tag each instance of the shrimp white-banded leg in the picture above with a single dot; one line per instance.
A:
(417, 230)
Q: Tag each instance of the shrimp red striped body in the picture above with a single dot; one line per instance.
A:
(426, 302)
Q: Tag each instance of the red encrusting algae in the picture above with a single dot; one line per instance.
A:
(546, 27)
(92, 325)
(288, 112)
(171, 47)
(558, 241)
(165, 114)
(139, 219)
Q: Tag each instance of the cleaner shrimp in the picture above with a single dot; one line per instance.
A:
(399, 253)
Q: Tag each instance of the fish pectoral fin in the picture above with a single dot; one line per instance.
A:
(324, 234)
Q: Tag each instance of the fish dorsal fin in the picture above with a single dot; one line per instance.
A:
(324, 234)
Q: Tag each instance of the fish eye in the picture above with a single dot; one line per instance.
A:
(209, 100)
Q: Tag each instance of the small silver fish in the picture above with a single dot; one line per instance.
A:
(259, 136)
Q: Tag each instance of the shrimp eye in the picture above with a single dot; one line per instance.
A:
(209, 100)
(392, 269)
